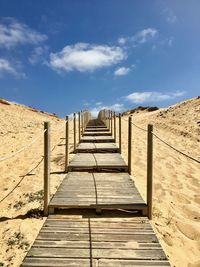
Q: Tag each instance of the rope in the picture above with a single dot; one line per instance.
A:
(177, 150)
(22, 180)
(174, 148)
(22, 149)
(60, 127)
(136, 125)
(139, 127)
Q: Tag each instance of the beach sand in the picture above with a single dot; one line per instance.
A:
(176, 179)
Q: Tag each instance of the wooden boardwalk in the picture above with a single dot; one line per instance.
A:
(97, 148)
(96, 242)
(74, 236)
(98, 191)
(98, 162)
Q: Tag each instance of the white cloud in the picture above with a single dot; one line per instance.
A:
(85, 57)
(6, 67)
(140, 37)
(115, 107)
(170, 41)
(38, 55)
(143, 97)
(121, 71)
(144, 35)
(122, 40)
(98, 103)
(170, 16)
(13, 33)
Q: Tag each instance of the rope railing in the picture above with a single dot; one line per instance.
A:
(36, 166)
(140, 128)
(166, 143)
(22, 149)
(174, 148)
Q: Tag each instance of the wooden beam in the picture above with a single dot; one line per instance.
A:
(82, 122)
(149, 169)
(115, 135)
(74, 131)
(109, 112)
(46, 167)
(67, 144)
(111, 122)
(79, 126)
(129, 143)
(120, 133)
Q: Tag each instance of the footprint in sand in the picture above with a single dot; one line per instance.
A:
(190, 212)
(190, 231)
(168, 240)
(195, 264)
(180, 198)
(196, 199)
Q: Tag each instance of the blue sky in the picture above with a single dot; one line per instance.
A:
(64, 56)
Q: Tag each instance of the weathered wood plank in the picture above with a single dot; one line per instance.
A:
(97, 139)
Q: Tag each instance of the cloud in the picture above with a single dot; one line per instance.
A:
(142, 97)
(139, 37)
(86, 57)
(39, 54)
(6, 67)
(170, 16)
(144, 35)
(170, 41)
(115, 107)
(98, 103)
(13, 33)
(122, 40)
(121, 71)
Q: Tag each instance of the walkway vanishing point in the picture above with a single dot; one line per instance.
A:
(119, 233)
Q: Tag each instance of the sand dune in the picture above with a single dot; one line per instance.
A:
(176, 205)
(176, 199)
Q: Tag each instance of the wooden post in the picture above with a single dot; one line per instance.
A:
(74, 132)
(79, 126)
(120, 133)
(67, 144)
(82, 122)
(149, 169)
(111, 123)
(46, 167)
(109, 120)
(129, 143)
(115, 126)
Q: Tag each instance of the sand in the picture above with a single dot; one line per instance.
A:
(176, 199)
(176, 179)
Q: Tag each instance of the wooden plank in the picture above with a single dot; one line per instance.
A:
(97, 245)
(97, 139)
(131, 263)
(97, 133)
(94, 160)
(156, 254)
(59, 262)
(97, 148)
(105, 190)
